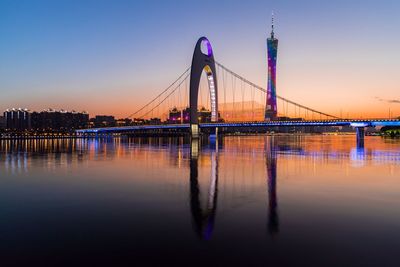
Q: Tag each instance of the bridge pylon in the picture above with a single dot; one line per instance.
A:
(202, 61)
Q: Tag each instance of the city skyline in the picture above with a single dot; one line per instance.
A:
(108, 58)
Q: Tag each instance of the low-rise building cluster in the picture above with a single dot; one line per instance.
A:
(177, 116)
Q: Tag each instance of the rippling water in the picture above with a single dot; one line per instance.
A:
(249, 201)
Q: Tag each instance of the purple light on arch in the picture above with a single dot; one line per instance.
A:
(206, 44)
(209, 48)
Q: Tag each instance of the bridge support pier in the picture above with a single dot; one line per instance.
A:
(213, 135)
(360, 133)
(194, 148)
(194, 131)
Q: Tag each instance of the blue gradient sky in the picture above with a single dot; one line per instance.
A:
(111, 56)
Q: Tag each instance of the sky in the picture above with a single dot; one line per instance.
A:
(110, 57)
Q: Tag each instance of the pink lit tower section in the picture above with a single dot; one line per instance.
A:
(271, 110)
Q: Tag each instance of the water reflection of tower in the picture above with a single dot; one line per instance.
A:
(203, 219)
(271, 162)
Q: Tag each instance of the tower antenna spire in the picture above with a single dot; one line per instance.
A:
(272, 25)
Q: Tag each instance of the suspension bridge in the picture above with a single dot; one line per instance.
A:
(208, 96)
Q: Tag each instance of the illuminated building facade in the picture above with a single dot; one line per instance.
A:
(175, 116)
(17, 119)
(103, 121)
(183, 116)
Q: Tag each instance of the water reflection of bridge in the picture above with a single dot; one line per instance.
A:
(203, 216)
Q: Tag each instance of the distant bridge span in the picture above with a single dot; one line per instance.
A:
(358, 124)
(265, 124)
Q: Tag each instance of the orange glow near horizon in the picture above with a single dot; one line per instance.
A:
(380, 109)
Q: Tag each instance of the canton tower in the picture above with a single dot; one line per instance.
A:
(271, 110)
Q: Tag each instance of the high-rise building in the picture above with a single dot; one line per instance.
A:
(2, 123)
(51, 120)
(17, 119)
(271, 110)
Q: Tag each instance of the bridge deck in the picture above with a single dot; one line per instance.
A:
(353, 123)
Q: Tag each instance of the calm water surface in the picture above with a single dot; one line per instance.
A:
(248, 201)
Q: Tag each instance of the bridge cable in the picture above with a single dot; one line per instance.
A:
(165, 90)
(252, 102)
(279, 97)
(162, 101)
(224, 81)
(242, 89)
(233, 96)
